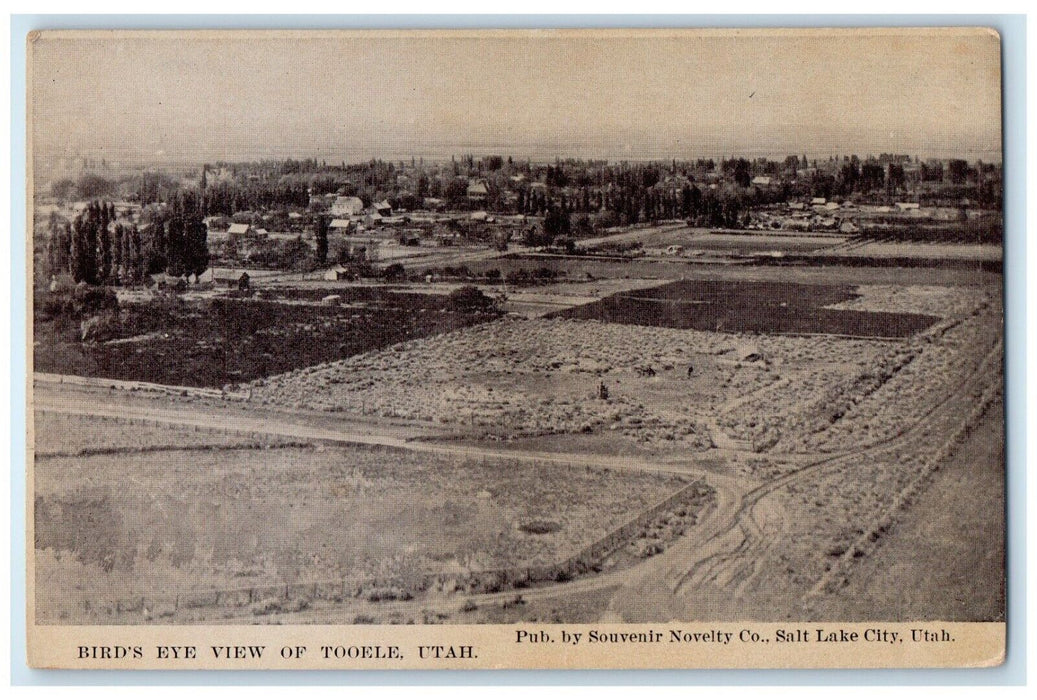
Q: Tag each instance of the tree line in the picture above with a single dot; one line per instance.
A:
(98, 248)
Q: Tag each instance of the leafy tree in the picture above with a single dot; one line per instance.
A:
(895, 178)
(91, 186)
(137, 264)
(104, 252)
(321, 234)
(63, 189)
(59, 245)
(117, 246)
(957, 171)
(394, 272)
(556, 223)
(469, 298)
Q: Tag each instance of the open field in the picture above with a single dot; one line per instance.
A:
(933, 251)
(179, 521)
(754, 307)
(226, 341)
(515, 378)
(807, 440)
(67, 435)
(806, 269)
(741, 243)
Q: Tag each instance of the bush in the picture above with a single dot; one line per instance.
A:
(87, 299)
(394, 272)
(98, 329)
(81, 301)
(469, 298)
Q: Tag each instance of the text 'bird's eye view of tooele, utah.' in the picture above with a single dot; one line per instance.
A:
(522, 326)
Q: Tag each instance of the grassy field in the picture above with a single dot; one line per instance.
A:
(67, 435)
(147, 524)
(747, 243)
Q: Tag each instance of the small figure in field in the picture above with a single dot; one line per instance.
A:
(691, 371)
(603, 391)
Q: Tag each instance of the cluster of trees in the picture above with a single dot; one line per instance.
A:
(143, 187)
(95, 248)
(99, 249)
(228, 198)
(177, 237)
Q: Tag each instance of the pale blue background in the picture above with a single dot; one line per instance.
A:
(1013, 35)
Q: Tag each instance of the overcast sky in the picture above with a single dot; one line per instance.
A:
(236, 96)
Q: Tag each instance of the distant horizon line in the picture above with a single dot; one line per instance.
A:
(541, 154)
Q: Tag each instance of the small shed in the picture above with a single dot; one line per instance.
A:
(337, 273)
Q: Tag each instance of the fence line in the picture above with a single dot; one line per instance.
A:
(126, 385)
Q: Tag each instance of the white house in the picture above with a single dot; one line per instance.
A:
(477, 190)
(346, 206)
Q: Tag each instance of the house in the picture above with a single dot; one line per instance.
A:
(240, 229)
(796, 206)
(337, 273)
(818, 202)
(907, 206)
(477, 191)
(346, 206)
(848, 226)
(342, 225)
(434, 203)
(479, 216)
(762, 181)
(382, 208)
(832, 206)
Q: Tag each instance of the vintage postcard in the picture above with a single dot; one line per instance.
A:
(515, 349)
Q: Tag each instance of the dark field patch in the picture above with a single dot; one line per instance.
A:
(227, 341)
(749, 307)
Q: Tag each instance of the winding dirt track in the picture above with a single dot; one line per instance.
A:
(707, 573)
(694, 579)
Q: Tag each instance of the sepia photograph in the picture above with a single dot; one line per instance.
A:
(635, 332)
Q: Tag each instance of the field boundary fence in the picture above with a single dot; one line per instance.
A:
(148, 387)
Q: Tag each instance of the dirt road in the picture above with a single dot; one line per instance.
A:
(702, 576)
(706, 575)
